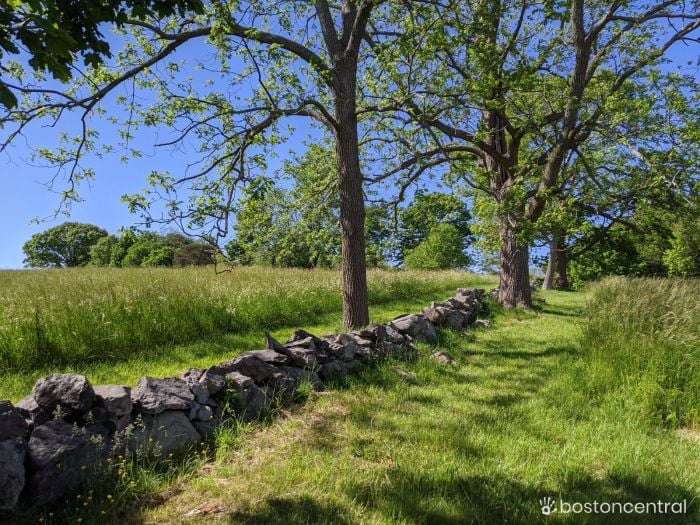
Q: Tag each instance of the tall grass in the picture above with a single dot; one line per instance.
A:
(67, 317)
(643, 335)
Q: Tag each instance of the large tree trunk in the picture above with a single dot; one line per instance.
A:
(556, 275)
(514, 288)
(548, 281)
(561, 280)
(352, 202)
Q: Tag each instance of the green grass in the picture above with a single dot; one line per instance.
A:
(480, 442)
(643, 338)
(116, 325)
(518, 418)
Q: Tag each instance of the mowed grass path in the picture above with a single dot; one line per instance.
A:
(480, 442)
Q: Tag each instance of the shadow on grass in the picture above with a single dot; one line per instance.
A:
(293, 509)
(423, 498)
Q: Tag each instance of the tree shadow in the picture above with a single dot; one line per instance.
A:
(302, 509)
(423, 498)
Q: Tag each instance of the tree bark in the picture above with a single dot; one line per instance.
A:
(561, 280)
(352, 202)
(514, 288)
(548, 281)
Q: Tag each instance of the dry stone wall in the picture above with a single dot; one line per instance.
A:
(53, 440)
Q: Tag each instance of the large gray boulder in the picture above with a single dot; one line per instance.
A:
(115, 398)
(269, 356)
(61, 456)
(12, 423)
(250, 366)
(302, 357)
(171, 430)
(153, 396)
(252, 401)
(416, 326)
(31, 411)
(12, 452)
(71, 392)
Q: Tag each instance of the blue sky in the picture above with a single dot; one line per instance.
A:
(25, 196)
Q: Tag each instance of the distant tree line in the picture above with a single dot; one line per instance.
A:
(73, 244)
(277, 228)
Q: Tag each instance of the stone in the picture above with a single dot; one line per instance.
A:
(214, 380)
(171, 430)
(206, 428)
(200, 392)
(12, 474)
(361, 341)
(115, 398)
(103, 417)
(60, 457)
(269, 356)
(253, 403)
(72, 392)
(288, 379)
(31, 411)
(302, 357)
(250, 366)
(334, 369)
(482, 323)
(200, 412)
(272, 344)
(12, 423)
(191, 375)
(394, 335)
(443, 358)
(415, 326)
(238, 380)
(153, 396)
(302, 337)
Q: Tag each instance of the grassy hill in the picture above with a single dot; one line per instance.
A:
(116, 325)
(589, 397)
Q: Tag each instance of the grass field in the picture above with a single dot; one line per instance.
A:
(526, 413)
(116, 325)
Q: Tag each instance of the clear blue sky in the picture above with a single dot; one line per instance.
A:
(25, 197)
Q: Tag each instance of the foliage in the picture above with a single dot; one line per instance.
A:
(192, 254)
(66, 245)
(148, 249)
(299, 227)
(615, 255)
(683, 256)
(426, 211)
(642, 338)
(442, 249)
(52, 33)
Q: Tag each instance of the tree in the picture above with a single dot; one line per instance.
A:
(505, 91)
(299, 226)
(194, 254)
(52, 33)
(66, 245)
(426, 211)
(442, 249)
(303, 59)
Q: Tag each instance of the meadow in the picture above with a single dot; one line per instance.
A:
(116, 325)
(571, 400)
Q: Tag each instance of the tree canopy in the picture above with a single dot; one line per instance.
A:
(64, 246)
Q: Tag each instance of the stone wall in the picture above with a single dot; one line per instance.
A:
(53, 440)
